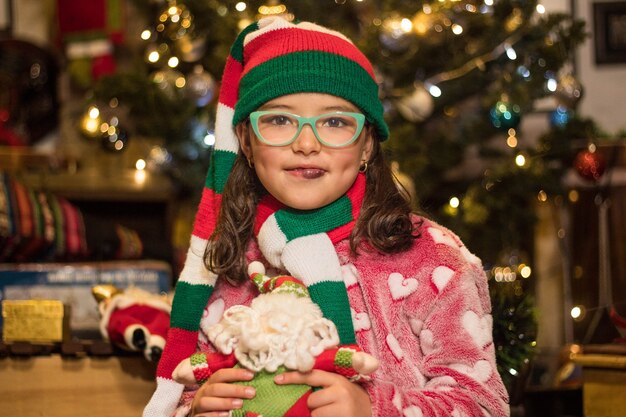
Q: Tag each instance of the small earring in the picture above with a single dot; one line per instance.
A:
(250, 163)
(363, 167)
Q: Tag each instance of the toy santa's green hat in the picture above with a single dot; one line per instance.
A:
(271, 58)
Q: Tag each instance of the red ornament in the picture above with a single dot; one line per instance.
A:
(590, 165)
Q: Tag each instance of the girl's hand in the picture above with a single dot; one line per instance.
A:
(338, 396)
(217, 396)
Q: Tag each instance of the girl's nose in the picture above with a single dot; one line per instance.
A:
(306, 142)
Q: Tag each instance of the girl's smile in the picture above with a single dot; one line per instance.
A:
(309, 173)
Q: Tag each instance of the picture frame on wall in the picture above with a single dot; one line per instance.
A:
(609, 32)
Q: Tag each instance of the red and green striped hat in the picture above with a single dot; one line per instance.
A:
(274, 57)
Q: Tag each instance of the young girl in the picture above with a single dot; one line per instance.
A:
(298, 182)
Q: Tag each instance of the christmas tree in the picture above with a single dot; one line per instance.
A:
(456, 79)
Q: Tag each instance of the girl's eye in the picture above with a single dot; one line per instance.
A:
(280, 120)
(334, 122)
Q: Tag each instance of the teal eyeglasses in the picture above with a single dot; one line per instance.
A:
(335, 130)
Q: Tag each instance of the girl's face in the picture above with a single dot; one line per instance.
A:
(305, 174)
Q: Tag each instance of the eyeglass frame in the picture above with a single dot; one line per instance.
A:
(303, 121)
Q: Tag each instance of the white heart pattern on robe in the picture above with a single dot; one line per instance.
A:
(394, 346)
(412, 411)
(397, 400)
(481, 371)
(400, 287)
(469, 256)
(441, 276)
(212, 314)
(440, 237)
(478, 327)
(360, 321)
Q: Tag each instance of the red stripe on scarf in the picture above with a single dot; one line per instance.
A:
(206, 217)
(181, 344)
(266, 207)
(229, 90)
(262, 49)
(355, 194)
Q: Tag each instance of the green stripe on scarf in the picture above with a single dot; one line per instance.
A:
(333, 300)
(188, 305)
(298, 223)
(221, 165)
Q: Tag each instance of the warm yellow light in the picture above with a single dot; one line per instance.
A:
(180, 82)
(94, 112)
(511, 141)
(406, 25)
(454, 202)
(91, 125)
(540, 9)
(241, 6)
(542, 196)
(146, 34)
(172, 62)
(153, 56)
(269, 10)
(578, 312)
(520, 160)
(525, 271)
(573, 196)
(140, 177)
(457, 29)
(140, 164)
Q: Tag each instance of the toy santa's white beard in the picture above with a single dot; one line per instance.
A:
(276, 330)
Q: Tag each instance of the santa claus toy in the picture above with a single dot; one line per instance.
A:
(134, 319)
(281, 330)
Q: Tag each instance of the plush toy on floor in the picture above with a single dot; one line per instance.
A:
(134, 319)
(281, 330)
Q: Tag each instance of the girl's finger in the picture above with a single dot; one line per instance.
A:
(226, 390)
(314, 378)
(231, 375)
(218, 404)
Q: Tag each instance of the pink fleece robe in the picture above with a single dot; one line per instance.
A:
(424, 313)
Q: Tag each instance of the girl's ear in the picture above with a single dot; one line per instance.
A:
(368, 146)
(242, 132)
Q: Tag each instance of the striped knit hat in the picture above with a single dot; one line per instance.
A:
(269, 59)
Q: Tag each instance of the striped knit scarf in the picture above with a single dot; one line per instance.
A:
(299, 242)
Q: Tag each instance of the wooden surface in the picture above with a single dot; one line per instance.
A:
(52, 386)
(604, 384)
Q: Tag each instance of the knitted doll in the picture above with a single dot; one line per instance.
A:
(282, 329)
(133, 319)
